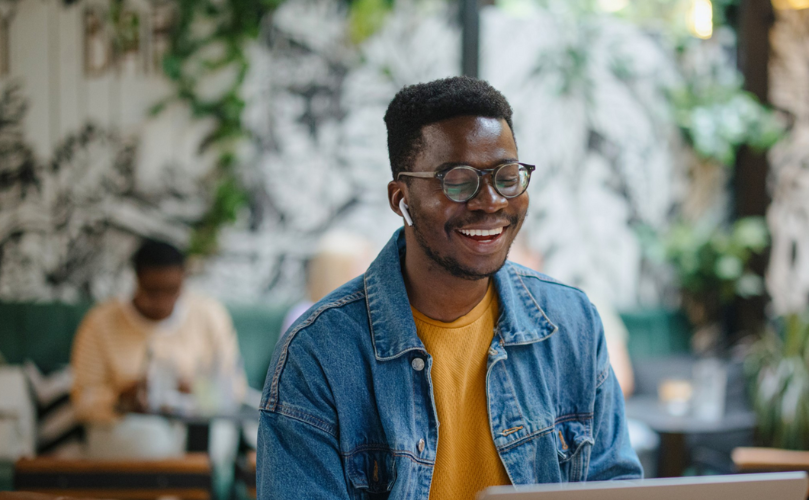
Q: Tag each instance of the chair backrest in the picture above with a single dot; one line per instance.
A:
(752, 459)
(656, 333)
(258, 327)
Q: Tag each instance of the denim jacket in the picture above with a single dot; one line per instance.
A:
(348, 410)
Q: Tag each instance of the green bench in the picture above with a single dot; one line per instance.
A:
(43, 333)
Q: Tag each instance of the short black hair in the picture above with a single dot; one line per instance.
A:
(416, 106)
(154, 253)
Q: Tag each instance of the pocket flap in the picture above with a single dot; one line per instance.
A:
(374, 471)
(571, 436)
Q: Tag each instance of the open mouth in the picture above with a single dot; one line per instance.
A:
(482, 235)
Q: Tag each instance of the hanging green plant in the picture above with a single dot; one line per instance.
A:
(209, 38)
(126, 29)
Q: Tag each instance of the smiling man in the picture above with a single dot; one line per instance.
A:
(444, 369)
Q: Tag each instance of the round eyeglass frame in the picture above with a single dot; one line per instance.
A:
(440, 175)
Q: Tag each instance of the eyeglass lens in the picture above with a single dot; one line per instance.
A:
(461, 183)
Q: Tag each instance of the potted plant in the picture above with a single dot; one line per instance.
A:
(778, 369)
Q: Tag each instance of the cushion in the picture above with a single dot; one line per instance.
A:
(58, 432)
(17, 427)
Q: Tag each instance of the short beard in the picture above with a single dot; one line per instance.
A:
(451, 265)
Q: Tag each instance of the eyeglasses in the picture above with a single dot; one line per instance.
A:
(462, 183)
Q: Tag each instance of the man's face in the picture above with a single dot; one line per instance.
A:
(158, 291)
(442, 227)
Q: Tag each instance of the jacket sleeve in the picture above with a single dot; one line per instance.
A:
(298, 446)
(296, 459)
(612, 456)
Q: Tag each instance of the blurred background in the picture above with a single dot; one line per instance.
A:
(671, 139)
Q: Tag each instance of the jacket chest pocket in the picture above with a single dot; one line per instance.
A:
(574, 442)
(372, 474)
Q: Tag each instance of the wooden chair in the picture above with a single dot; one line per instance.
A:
(246, 472)
(188, 477)
(770, 460)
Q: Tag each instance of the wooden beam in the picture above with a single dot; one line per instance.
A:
(470, 38)
(751, 197)
(756, 19)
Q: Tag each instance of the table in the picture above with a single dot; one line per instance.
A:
(26, 495)
(199, 424)
(198, 427)
(672, 456)
(187, 477)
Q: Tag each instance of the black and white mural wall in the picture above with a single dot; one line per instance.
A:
(605, 147)
(84, 173)
(75, 198)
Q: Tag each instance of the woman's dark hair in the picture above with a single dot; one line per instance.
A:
(154, 253)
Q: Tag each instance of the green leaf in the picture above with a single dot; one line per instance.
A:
(729, 267)
(172, 66)
(366, 17)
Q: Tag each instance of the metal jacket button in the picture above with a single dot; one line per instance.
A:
(417, 364)
(421, 445)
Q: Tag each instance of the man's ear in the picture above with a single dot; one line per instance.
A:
(397, 200)
(395, 195)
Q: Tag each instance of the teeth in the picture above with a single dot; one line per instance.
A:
(482, 232)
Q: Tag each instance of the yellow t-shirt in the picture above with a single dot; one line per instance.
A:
(467, 460)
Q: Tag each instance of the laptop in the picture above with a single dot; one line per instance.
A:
(766, 486)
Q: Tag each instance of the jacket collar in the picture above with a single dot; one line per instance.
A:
(393, 332)
(522, 319)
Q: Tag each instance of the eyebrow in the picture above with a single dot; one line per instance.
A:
(451, 164)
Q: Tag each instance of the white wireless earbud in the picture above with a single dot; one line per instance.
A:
(405, 213)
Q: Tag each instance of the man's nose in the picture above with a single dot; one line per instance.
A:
(487, 199)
